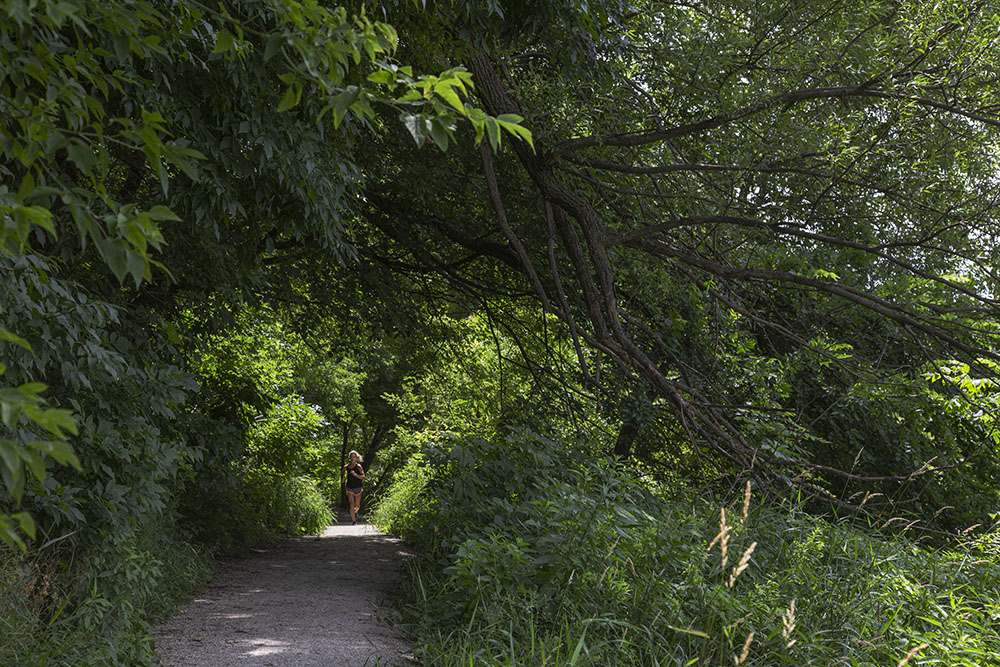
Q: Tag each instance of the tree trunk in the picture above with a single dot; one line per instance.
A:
(343, 462)
(626, 436)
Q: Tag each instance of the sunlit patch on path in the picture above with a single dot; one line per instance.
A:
(304, 601)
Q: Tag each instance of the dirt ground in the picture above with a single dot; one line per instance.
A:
(302, 602)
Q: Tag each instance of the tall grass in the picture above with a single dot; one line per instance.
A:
(53, 612)
(557, 559)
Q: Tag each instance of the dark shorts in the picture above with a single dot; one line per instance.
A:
(356, 491)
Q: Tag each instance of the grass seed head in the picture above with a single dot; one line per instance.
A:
(724, 538)
(742, 565)
(746, 502)
(746, 650)
(788, 624)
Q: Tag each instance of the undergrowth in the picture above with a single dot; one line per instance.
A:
(55, 613)
(237, 509)
(533, 556)
(66, 604)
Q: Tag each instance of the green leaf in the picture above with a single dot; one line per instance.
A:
(509, 122)
(288, 100)
(19, 11)
(525, 134)
(511, 118)
(32, 388)
(175, 157)
(689, 631)
(10, 413)
(342, 102)
(161, 213)
(81, 155)
(35, 463)
(13, 479)
(493, 131)
(115, 255)
(274, 44)
(137, 267)
(26, 523)
(440, 134)
(8, 535)
(60, 11)
(382, 76)
(389, 32)
(412, 95)
(9, 455)
(14, 338)
(415, 124)
(445, 90)
(57, 420)
(172, 334)
(224, 42)
(37, 215)
(27, 186)
(60, 451)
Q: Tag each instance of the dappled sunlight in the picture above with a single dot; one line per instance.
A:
(268, 647)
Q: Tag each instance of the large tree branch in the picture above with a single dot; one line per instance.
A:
(629, 238)
(787, 99)
(853, 295)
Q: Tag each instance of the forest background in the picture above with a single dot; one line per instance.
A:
(667, 330)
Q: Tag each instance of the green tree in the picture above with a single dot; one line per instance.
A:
(719, 191)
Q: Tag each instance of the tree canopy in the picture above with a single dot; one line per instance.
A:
(745, 216)
(758, 211)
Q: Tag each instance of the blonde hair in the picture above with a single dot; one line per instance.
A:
(353, 453)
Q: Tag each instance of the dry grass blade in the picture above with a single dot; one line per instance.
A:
(613, 547)
(746, 502)
(869, 496)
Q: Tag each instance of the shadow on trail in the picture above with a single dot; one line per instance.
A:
(305, 601)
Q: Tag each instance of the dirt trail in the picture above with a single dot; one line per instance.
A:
(302, 602)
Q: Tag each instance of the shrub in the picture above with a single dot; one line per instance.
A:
(402, 509)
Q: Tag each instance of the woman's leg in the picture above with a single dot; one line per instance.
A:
(355, 502)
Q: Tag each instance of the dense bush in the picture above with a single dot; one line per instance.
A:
(249, 506)
(535, 556)
(107, 556)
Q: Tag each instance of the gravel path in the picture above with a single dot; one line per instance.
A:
(300, 602)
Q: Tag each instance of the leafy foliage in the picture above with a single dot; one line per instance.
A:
(106, 138)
